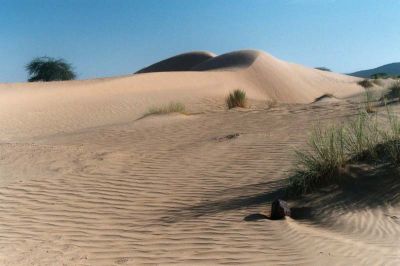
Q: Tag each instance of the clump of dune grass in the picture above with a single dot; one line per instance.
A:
(391, 139)
(331, 149)
(173, 107)
(393, 92)
(366, 83)
(323, 161)
(368, 102)
(237, 98)
(361, 137)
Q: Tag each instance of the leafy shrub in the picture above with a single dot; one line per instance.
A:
(49, 69)
(237, 98)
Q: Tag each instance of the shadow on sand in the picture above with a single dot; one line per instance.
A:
(365, 187)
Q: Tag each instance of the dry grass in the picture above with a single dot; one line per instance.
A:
(331, 149)
(237, 98)
(173, 107)
(366, 83)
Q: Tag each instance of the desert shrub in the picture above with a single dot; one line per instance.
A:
(49, 69)
(237, 98)
(173, 107)
(366, 83)
(323, 69)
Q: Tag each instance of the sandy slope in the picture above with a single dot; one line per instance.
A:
(31, 110)
(83, 181)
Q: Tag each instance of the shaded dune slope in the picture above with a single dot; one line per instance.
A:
(237, 59)
(182, 62)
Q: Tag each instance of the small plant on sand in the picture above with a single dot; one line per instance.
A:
(237, 98)
(173, 107)
(393, 92)
(366, 83)
(323, 161)
(369, 99)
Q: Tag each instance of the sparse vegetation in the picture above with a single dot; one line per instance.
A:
(49, 69)
(366, 83)
(332, 149)
(173, 107)
(369, 100)
(393, 92)
(379, 76)
(323, 69)
(377, 82)
(237, 98)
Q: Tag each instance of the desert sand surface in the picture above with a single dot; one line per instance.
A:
(87, 179)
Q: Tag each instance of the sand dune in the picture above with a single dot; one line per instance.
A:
(29, 110)
(84, 181)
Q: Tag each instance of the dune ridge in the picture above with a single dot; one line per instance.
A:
(182, 62)
(29, 110)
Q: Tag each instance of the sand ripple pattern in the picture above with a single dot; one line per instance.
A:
(172, 190)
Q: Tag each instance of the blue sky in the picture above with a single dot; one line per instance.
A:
(117, 37)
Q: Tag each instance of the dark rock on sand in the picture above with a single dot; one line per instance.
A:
(279, 209)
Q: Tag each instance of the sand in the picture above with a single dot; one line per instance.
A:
(85, 179)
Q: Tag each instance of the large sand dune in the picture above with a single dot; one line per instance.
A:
(85, 180)
(35, 109)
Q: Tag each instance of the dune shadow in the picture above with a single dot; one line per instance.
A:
(366, 187)
(275, 189)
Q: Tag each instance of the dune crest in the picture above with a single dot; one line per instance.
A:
(43, 108)
(181, 62)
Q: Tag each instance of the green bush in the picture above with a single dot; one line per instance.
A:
(237, 98)
(49, 69)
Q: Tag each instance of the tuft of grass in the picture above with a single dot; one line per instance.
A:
(237, 98)
(173, 107)
(324, 160)
(362, 136)
(369, 99)
(366, 83)
(393, 92)
(391, 139)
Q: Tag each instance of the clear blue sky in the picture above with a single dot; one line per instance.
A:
(116, 37)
